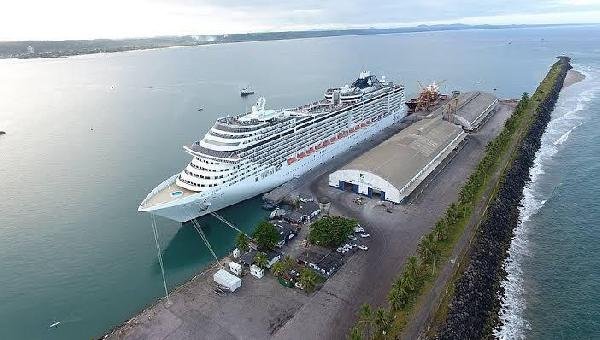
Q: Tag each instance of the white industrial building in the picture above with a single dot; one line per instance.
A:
(393, 169)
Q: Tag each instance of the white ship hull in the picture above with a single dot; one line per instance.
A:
(203, 203)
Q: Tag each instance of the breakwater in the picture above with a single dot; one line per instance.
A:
(473, 312)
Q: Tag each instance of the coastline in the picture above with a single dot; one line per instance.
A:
(475, 306)
(69, 48)
(161, 303)
(573, 77)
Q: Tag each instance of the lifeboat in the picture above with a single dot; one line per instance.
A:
(301, 155)
(362, 125)
(319, 146)
(326, 142)
(332, 139)
(291, 160)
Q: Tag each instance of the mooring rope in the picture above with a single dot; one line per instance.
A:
(203, 236)
(227, 223)
(159, 255)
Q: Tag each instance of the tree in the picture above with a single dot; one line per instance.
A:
(331, 231)
(413, 270)
(428, 250)
(242, 242)
(355, 334)
(308, 279)
(441, 230)
(382, 321)
(282, 267)
(260, 259)
(399, 294)
(266, 236)
(365, 320)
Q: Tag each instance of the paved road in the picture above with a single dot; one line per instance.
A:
(367, 279)
(263, 309)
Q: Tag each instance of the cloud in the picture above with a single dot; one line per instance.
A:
(84, 19)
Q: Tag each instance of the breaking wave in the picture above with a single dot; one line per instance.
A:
(566, 119)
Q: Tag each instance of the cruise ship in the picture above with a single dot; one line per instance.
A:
(251, 153)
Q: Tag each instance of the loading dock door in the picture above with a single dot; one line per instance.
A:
(348, 186)
(377, 194)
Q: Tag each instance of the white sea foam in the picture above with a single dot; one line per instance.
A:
(565, 119)
(563, 138)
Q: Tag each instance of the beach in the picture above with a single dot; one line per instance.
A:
(573, 77)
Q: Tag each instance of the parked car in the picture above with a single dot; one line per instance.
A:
(352, 237)
(363, 247)
(365, 235)
(359, 229)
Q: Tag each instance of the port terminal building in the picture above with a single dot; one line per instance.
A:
(395, 168)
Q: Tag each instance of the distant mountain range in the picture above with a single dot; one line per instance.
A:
(56, 49)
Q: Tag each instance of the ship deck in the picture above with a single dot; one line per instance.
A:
(165, 195)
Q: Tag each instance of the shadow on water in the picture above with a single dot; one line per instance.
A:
(187, 249)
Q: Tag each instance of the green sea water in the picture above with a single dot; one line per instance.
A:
(74, 249)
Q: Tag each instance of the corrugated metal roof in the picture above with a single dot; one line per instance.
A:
(401, 157)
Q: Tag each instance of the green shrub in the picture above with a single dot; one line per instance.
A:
(331, 231)
(266, 236)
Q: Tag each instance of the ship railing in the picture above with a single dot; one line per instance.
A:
(165, 184)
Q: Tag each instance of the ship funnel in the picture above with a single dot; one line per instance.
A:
(260, 105)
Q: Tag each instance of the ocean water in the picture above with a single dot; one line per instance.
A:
(74, 249)
(553, 284)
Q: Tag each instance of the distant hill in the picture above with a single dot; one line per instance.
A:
(56, 49)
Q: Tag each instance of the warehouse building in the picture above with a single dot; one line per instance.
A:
(393, 169)
(473, 108)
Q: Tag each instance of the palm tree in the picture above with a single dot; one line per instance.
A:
(308, 279)
(441, 230)
(399, 294)
(260, 259)
(428, 250)
(355, 334)
(409, 281)
(242, 242)
(395, 299)
(283, 266)
(278, 269)
(365, 319)
(382, 321)
(412, 268)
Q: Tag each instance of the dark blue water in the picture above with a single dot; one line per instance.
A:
(553, 289)
(73, 247)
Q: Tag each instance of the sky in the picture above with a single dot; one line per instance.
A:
(89, 19)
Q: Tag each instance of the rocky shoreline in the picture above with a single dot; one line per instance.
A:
(473, 312)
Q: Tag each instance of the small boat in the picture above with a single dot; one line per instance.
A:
(55, 324)
(246, 91)
(200, 109)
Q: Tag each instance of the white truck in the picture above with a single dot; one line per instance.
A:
(227, 280)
